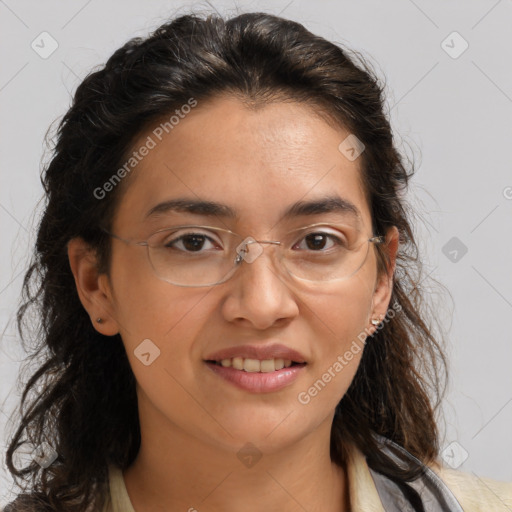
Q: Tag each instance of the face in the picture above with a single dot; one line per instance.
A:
(258, 163)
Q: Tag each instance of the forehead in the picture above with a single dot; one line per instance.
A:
(257, 161)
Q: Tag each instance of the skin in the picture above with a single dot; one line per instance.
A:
(193, 423)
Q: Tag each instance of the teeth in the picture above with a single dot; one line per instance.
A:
(255, 365)
(238, 363)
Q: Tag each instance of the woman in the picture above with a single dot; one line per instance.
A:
(228, 285)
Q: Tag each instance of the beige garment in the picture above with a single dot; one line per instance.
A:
(476, 494)
(473, 493)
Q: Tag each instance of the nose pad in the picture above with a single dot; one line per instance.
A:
(248, 250)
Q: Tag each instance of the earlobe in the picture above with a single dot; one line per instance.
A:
(92, 287)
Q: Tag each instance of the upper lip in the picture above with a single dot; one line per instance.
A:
(261, 352)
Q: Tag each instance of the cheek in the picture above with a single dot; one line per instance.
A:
(339, 319)
(146, 307)
(341, 312)
(160, 326)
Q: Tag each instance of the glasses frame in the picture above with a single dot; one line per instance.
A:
(376, 239)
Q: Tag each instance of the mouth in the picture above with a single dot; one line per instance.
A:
(256, 365)
(257, 376)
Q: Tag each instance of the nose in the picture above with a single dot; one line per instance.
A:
(259, 293)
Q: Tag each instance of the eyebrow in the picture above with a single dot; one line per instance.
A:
(329, 204)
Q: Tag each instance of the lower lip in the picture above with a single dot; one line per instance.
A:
(258, 382)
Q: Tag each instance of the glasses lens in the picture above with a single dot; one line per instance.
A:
(325, 253)
(191, 255)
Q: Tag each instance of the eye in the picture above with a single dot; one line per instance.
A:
(191, 242)
(318, 241)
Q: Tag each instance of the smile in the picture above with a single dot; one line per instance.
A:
(255, 365)
(257, 376)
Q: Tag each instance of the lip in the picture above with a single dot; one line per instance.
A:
(257, 382)
(261, 352)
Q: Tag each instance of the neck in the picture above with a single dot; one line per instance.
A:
(177, 471)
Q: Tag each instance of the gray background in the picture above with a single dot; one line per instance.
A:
(450, 110)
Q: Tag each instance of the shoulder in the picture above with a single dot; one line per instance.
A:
(474, 493)
(439, 484)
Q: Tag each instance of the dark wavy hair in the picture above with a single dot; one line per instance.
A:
(81, 400)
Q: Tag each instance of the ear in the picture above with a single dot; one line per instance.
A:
(92, 286)
(384, 285)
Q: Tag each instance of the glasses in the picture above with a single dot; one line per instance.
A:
(195, 255)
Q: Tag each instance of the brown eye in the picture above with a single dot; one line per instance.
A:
(319, 241)
(316, 241)
(190, 242)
